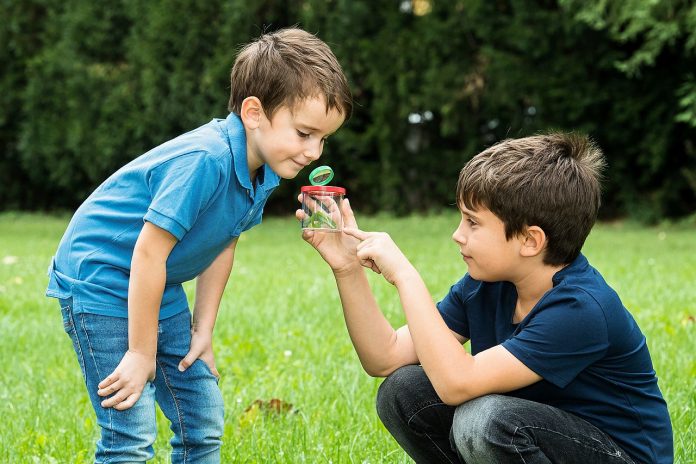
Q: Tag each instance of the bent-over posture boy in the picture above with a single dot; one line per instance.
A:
(559, 371)
(172, 215)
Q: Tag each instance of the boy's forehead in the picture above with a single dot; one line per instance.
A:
(313, 113)
(476, 210)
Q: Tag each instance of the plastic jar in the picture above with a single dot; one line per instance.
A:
(321, 207)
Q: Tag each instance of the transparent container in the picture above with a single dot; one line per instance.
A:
(321, 206)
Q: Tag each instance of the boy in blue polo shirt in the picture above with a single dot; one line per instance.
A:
(559, 371)
(175, 214)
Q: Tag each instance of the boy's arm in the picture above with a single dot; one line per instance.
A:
(145, 289)
(380, 348)
(210, 286)
(455, 374)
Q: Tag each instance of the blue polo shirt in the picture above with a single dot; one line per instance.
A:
(195, 186)
(585, 345)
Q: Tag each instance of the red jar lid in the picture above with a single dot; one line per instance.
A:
(322, 188)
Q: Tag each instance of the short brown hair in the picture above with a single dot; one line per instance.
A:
(285, 67)
(552, 181)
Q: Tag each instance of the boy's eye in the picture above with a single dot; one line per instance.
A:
(304, 135)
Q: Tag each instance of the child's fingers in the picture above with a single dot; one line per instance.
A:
(189, 359)
(111, 378)
(368, 263)
(115, 400)
(348, 215)
(128, 402)
(109, 389)
(357, 233)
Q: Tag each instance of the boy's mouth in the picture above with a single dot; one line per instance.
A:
(300, 165)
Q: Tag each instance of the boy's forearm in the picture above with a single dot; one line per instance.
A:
(438, 350)
(210, 286)
(145, 291)
(372, 335)
(148, 276)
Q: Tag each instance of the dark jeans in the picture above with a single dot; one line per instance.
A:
(489, 429)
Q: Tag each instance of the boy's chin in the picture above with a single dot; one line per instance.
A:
(288, 175)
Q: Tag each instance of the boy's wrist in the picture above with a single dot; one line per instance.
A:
(348, 271)
(408, 275)
(143, 353)
(203, 327)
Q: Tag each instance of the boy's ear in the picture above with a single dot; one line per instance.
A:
(533, 241)
(251, 112)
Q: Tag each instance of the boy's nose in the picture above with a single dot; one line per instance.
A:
(457, 236)
(313, 153)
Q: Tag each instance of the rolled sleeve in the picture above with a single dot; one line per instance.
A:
(166, 223)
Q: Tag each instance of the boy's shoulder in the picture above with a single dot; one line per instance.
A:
(212, 145)
(583, 281)
(210, 140)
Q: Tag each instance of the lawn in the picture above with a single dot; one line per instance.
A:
(280, 334)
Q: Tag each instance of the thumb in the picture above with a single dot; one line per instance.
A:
(348, 215)
(357, 233)
(185, 363)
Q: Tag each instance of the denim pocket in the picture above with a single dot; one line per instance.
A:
(69, 327)
(208, 370)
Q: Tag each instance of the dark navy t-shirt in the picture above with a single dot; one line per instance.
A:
(585, 345)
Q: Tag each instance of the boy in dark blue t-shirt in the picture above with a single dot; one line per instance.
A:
(559, 371)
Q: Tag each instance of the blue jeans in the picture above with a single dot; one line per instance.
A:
(191, 400)
(489, 429)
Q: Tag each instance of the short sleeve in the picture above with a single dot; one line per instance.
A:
(453, 306)
(181, 188)
(566, 333)
(256, 220)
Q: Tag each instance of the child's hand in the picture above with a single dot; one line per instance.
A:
(378, 252)
(201, 348)
(337, 248)
(125, 384)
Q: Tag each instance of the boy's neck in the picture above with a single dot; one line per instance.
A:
(252, 176)
(531, 287)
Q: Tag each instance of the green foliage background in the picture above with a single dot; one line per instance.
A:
(87, 86)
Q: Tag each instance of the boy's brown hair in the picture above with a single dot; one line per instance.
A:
(285, 67)
(551, 181)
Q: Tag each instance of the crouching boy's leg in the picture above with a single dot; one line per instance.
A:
(497, 428)
(416, 417)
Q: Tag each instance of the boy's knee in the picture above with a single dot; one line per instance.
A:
(478, 424)
(208, 428)
(128, 434)
(397, 391)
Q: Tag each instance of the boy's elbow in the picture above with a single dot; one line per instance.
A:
(453, 394)
(375, 371)
(378, 370)
(450, 399)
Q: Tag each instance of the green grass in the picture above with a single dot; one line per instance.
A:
(280, 334)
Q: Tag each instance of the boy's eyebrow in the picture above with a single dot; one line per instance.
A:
(471, 214)
(313, 129)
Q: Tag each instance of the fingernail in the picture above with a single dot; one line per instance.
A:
(181, 368)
